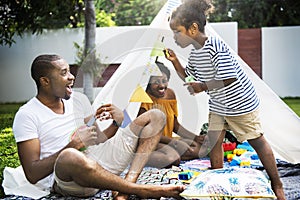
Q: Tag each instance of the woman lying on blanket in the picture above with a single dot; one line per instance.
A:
(170, 151)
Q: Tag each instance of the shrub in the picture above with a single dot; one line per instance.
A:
(8, 153)
(8, 148)
(6, 120)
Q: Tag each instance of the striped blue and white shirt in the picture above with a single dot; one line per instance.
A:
(214, 61)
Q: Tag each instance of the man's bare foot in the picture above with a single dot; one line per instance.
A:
(120, 196)
(157, 191)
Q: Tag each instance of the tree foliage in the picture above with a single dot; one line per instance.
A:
(16, 17)
(257, 13)
(132, 12)
(104, 19)
(19, 16)
(138, 12)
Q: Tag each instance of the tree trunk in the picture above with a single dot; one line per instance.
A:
(89, 52)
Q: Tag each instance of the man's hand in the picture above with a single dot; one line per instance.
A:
(84, 136)
(110, 111)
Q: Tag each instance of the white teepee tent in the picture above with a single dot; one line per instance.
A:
(139, 64)
(281, 125)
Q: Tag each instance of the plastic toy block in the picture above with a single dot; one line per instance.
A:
(226, 153)
(254, 157)
(236, 161)
(229, 146)
(245, 145)
(185, 175)
(230, 157)
(239, 151)
(245, 163)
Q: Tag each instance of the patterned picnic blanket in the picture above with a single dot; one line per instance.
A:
(148, 176)
(289, 173)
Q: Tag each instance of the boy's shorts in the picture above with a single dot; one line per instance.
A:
(245, 127)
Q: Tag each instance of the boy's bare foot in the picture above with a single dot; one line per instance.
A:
(278, 190)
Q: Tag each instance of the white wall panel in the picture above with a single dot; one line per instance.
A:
(280, 59)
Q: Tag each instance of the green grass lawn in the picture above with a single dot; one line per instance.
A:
(294, 104)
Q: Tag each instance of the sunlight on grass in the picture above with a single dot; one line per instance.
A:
(294, 104)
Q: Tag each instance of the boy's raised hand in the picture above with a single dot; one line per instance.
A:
(169, 54)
